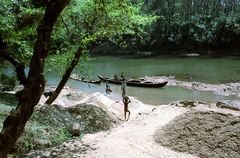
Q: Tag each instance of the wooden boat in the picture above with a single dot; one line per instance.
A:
(75, 77)
(134, 82)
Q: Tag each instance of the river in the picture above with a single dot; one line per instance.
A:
(203, 69)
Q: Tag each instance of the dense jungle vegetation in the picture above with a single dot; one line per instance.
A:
(195, 24)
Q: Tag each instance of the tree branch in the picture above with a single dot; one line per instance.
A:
(30, 95)
(65, 25)
(16, 63)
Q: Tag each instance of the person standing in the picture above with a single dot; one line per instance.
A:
(126, 101)
(108, 89)
(122, 76)
(115, 77)
(124, 84)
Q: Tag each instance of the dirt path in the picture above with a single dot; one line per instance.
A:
(135, 137)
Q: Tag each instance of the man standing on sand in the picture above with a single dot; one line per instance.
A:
(122, 76)
(126, 101)
(108, 89)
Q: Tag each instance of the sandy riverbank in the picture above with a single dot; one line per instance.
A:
(221, 89)
(134, 138)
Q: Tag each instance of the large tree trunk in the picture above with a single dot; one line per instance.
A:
(65, 77)
(14, 124)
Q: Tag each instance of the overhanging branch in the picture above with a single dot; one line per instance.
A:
(17, 64)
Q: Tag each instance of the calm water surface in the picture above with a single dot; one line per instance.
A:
(203, 69)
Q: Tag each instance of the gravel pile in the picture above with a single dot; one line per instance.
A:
(205, 134)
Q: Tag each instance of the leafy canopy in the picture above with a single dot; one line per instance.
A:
(92, 21)
(82, 23)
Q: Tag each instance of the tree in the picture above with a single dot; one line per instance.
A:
(34, 83)
(199, 24)
(102, 19)
(99, 20)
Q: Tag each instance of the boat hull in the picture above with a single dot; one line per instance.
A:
(134, 83)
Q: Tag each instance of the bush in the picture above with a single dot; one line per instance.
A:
(8, 82)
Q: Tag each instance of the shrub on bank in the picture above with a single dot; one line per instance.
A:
(52, 125)
(7, 82)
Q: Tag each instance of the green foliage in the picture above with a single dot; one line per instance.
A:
(81, 24)
(84, 68)
(6, 18)
(8, 82)
(37, 136)
(40, 131)
(4, 111)
(62, 134)
(90, 21)
(18, 21)
(199, 23)
(59, 63)
(8, 99)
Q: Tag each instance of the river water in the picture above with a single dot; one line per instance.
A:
(203, 69)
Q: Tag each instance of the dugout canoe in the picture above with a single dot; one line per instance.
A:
(134, 82)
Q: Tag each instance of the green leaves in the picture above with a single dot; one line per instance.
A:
(18, 22)
(82, 23)
(107, 19)
(195, 23)
(92, 21)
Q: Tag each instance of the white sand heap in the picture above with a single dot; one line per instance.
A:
(178, 133)
(70, 97)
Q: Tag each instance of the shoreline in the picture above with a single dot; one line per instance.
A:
(231, 90)
(220, 89)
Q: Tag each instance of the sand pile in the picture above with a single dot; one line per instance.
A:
(185, 129)
(205, 134)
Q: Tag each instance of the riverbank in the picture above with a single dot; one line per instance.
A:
(138, 136)
(228, 89)
(220, 89)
